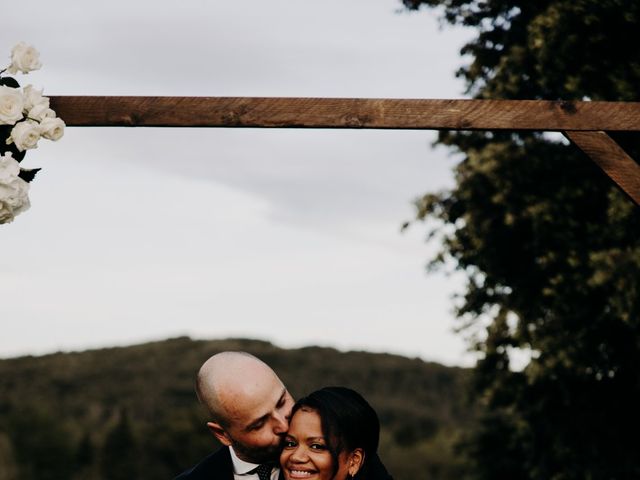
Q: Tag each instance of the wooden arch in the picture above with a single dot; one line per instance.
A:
(585, 124)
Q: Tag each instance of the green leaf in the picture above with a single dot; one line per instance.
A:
(28, 175)
(9, 82)
(5, 131)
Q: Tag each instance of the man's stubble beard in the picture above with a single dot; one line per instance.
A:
(258, 454)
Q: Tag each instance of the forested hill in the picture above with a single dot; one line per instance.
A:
(131, 412)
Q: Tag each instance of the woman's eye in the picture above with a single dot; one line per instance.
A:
(318, 446)
(289, 444)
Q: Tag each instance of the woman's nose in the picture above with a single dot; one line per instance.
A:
(299, 455)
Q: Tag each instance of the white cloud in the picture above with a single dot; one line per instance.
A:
(290, 235)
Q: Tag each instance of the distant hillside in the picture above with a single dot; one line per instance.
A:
(131, 412)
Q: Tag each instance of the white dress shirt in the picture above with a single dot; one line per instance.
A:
(241, 468)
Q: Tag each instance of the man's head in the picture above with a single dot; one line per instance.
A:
(249, 405)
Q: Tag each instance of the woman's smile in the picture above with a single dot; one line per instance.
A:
(301, 473)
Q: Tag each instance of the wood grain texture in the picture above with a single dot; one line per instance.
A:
(256, 112)
(603, 150)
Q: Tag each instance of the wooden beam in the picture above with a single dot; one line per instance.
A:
(259, 112)
(609, 156)
(583, 123)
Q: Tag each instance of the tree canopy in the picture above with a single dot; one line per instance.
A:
(550, 246)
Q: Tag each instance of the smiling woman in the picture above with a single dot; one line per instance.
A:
(333, 435)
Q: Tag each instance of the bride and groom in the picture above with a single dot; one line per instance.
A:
(331, 434)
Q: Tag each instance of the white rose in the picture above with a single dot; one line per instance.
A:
(24, 58)
(9, 168)
(40, 112)
(14, 192)
(52, 128)
(33, 98)
(25, 135)
(11, 105)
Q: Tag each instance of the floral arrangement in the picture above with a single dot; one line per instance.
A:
(25, 117)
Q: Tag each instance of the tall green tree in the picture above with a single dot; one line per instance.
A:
(550, 246)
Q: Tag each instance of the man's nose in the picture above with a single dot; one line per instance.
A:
(281, 424)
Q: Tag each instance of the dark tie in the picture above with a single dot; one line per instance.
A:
(263, 471)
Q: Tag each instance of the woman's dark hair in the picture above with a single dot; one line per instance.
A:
(348, 422)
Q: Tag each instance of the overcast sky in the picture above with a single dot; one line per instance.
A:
(291, 236)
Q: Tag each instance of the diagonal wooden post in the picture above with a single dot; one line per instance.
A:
(609, 156)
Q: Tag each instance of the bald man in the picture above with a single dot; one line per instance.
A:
(250, 409)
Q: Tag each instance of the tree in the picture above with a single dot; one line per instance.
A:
(9, 470)
(41, 446)
(85, 458)
(550, 246)
(119, 453)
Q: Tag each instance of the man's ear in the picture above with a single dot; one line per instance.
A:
(219, 433)
(355, 462)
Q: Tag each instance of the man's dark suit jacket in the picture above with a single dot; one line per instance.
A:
(218, 466)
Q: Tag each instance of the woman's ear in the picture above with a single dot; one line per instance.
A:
(356, 460)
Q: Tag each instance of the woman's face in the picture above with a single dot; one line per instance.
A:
(305, 454)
